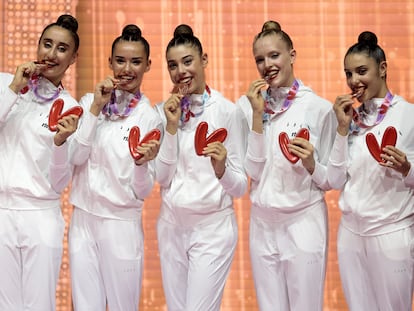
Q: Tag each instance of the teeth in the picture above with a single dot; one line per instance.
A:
(358, 93)
(270, 76)
(187, 81)
(123, 80)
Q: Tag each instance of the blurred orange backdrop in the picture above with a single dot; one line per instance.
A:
(321, 32)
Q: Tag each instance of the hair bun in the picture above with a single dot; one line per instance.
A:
(131, 31)
(68, 22)
(183, 30)
(271, 25)
(368, 38)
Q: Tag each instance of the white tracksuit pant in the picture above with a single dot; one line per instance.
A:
(31, 243)
(289, 260)
(106, 259)
(195, 262)
(377, 271)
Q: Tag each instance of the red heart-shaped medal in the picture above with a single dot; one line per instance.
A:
(55, 113)
(133, 140)
(388, 139)
(200, 139)
(284, 141)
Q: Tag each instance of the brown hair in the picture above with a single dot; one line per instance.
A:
(273, 28)
(69, 23)
(183, 35)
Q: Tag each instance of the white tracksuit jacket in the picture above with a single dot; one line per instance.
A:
(278, 187)
(106, 181)
(26, 145)
(191, 194)
(375, 200)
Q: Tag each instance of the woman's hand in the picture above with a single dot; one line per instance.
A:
(24, 73)
(102, 94)
(395, 159)
(255, 97)
(344, 112)
(148, 150)
(172, 110)
(218, 155)
(65, 127)
(257, 102)
(303, 149)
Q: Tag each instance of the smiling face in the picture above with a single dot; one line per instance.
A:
(365, 77)
(57, 49)
(129, 62)
(186, 68)
(274, 60)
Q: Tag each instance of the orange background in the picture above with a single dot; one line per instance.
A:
(321, 32)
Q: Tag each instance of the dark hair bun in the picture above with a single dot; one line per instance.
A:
(68, 22)
(183, 30)
(368, 38)
(131, 32)
(271, 25)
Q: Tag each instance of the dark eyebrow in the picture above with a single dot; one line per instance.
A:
(133, 58)
(60, 43)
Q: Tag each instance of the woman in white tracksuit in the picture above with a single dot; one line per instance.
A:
(31, 222)
(108, 186)
(376, 233)
(197, 229)
(288, 224)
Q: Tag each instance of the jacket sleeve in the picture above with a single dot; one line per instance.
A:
(166, 160)
(324, 147)
(8, 97)
(255, 159)
(80, 148)
(144, 175)
(337, 164)
(60, 170)
(234, 180)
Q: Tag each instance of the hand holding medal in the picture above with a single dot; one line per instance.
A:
(24, 73)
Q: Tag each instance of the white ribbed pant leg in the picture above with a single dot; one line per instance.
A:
(31, 245)
(196, 262)
(11, 291)
(267, 267)
(377, 272)
(289, 261)
(88, 292)
(211, 253)
(172, 246)
(106, 262)
(121, 246)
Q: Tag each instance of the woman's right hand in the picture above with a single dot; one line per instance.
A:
(23, 73)
(255, 97)
(344, 112)
(257, 102)
(102, 94)
(172, 110)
